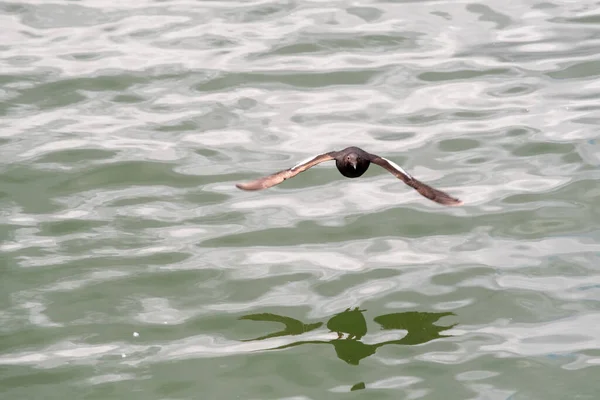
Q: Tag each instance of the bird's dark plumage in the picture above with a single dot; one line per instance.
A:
(353, 162)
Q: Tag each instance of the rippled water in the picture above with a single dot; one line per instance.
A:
(133, 268)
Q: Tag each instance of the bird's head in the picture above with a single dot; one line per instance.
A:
(352, 159)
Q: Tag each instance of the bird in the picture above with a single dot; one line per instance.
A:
(353, 162)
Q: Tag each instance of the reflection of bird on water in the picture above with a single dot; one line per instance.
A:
(352, 162)
(419, 325)
(351, 322)
(292, 326)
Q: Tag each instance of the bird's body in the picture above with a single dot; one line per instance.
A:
(353, 162)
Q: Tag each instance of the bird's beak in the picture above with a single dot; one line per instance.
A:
(353, 164)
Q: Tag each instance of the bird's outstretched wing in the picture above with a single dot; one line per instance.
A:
(278, 177)
(425, 190)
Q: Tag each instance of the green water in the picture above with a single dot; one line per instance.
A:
(132, 268)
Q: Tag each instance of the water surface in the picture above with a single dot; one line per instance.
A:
(133, 268)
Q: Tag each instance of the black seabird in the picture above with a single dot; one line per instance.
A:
(352, 162)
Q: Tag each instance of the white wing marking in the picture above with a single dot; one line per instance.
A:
(302, 162)
(393, 164)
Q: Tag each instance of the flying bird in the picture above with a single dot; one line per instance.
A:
(352, 162)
